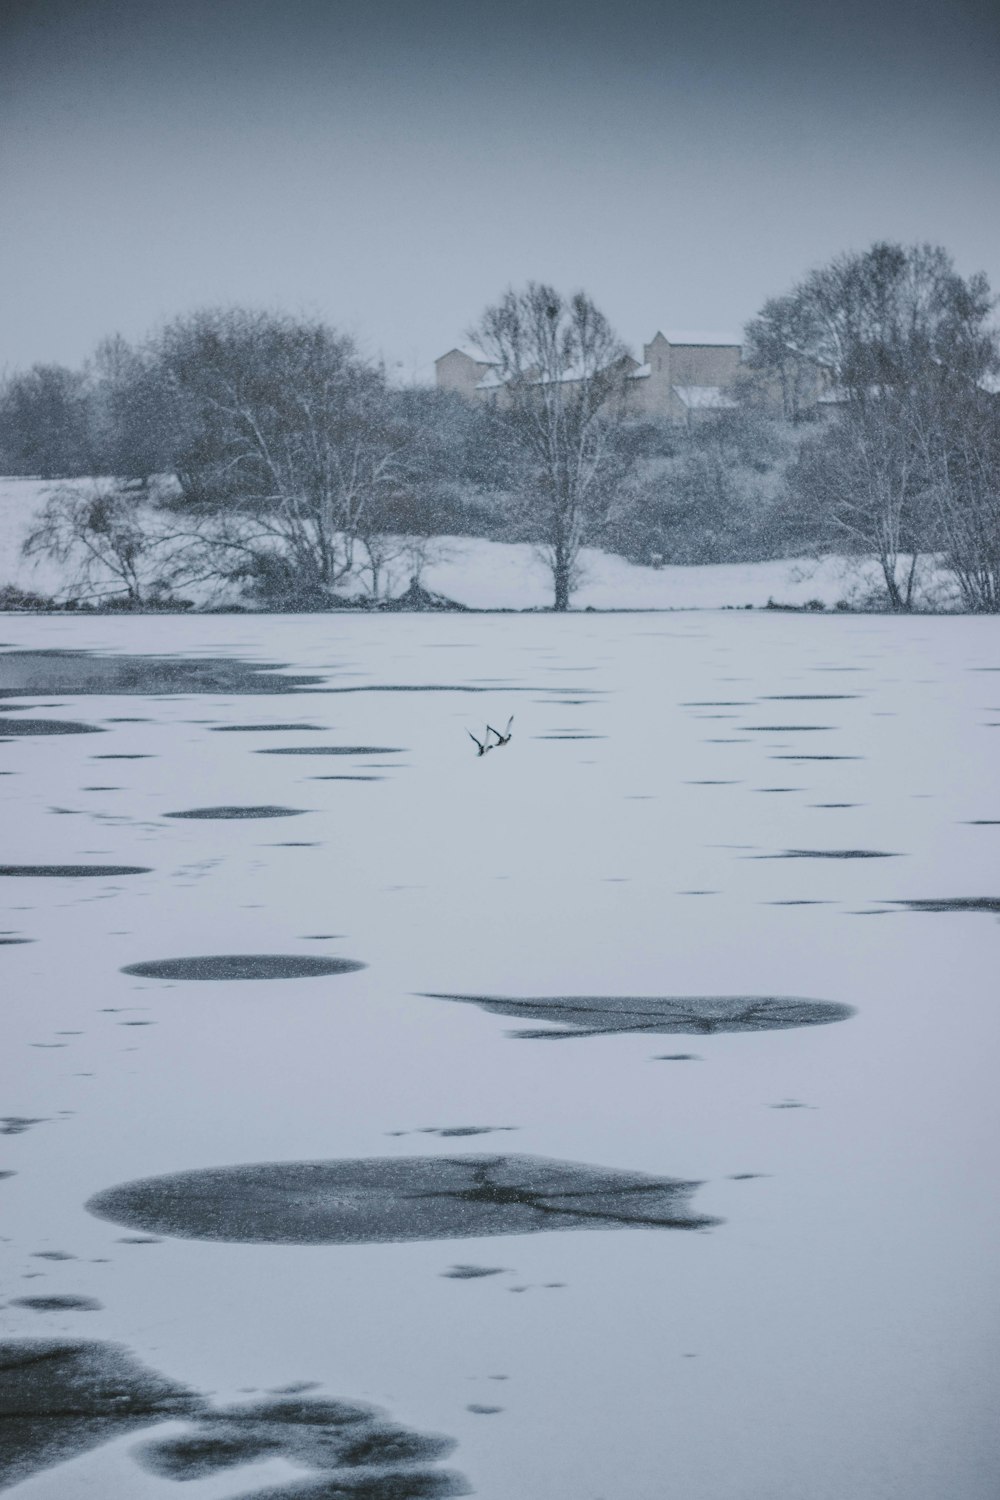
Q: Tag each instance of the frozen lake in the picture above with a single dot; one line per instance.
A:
(744, 1195)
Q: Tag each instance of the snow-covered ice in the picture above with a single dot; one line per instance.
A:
(832, 1335)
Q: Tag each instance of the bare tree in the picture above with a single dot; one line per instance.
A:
(109, 540)
(782, 349)
(289, 437)
(560, 373)
(860, 489)
(885, 318)
(961, 451)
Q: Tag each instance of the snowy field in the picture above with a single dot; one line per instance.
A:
(498, 575)
(701, 806)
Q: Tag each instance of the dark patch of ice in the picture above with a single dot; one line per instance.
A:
(807, 697)
(58, 1304)
(379, 1200)
(8, 942)
(785, 728)
(827, 854)
(677, 1057)
(5, 1175)
(47, 726)
(472, 1273)
(18, 1124)
(123, 757)
(390, 1484)
(330, 750)
(604, 1015)
(82, 674)
(483, 1411)
(817, 757)
(61, 1397)
(221, 966)
(264, 728)
(990, 904)
(354, 1450)
(264, 811)
(77, 872)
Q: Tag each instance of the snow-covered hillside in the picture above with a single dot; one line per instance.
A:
(498, 575)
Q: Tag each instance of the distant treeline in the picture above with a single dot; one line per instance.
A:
(263, 451)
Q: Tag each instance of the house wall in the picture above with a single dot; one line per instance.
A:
(461, 373)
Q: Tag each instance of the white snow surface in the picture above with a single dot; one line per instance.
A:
(834, 1336)
(499, 575)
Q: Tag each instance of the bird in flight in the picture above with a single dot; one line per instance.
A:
(482, 745)
(502, 739)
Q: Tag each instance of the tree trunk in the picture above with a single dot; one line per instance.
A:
(561, 579)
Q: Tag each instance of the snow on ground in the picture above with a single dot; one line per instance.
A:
(834, 1335)
(497, 575)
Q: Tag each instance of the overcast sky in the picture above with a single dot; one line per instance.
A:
(392, 165)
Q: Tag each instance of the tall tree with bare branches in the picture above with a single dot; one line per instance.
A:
(559, 373)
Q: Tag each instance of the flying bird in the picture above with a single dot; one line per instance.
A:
(483, 745)
(502, 739)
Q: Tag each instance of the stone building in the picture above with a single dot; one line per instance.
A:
(683, 377)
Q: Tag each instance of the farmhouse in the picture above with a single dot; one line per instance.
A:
(683, 376)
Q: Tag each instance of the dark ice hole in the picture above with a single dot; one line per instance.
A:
(243, 966)
(379, 1200)
(263, 811)
(77, 872)
(604, 1015)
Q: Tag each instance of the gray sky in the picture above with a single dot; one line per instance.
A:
(392, 165)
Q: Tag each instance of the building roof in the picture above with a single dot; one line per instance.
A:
(704, 398)
(468, 352)
(727, 340)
